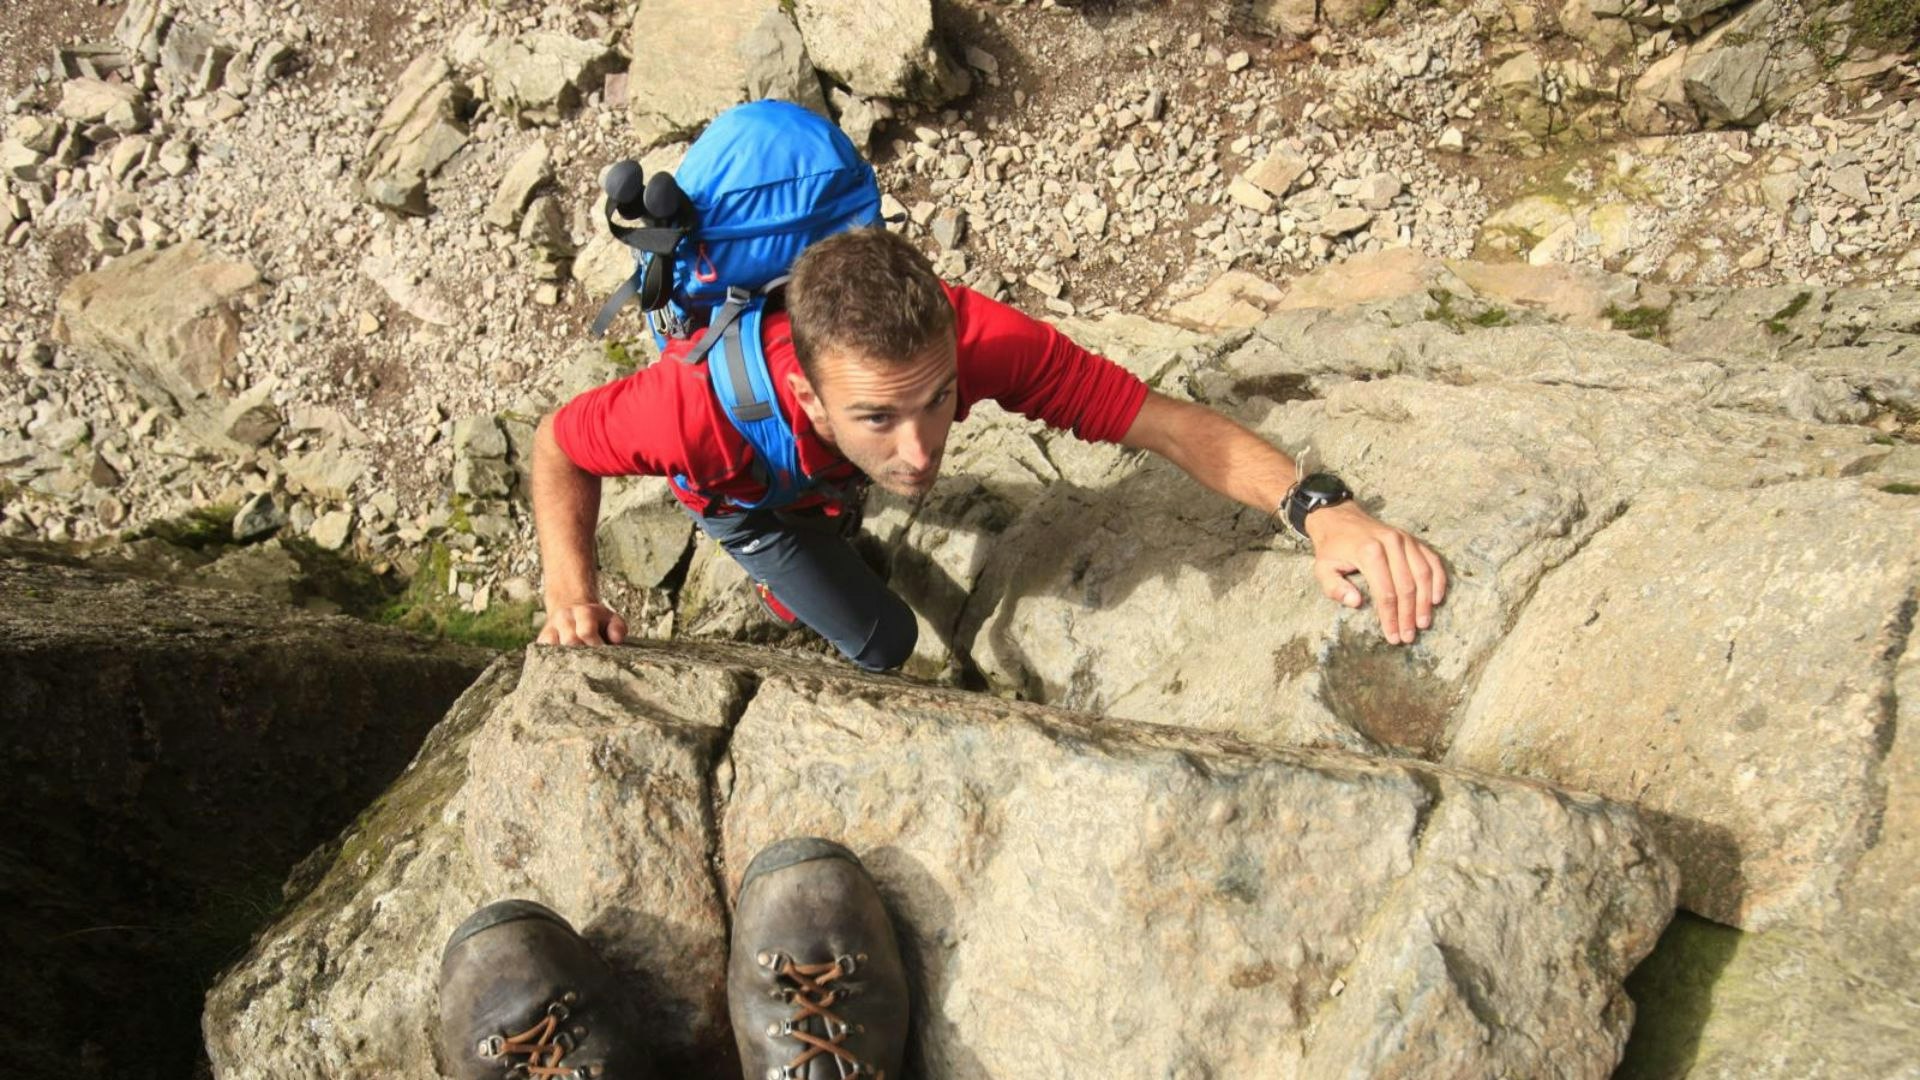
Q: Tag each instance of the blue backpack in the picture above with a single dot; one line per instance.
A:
(765, 180)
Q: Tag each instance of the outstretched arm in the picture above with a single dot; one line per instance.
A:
(1404, 575)
(566, 511)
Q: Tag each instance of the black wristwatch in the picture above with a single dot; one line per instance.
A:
(1315, 491)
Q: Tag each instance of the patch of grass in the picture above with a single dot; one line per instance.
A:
(458, 518)
(1901, 489)
(1645, 323)
(1777, 325)
(622, 355)
(1457, 320)
(195, 530)
(1893, 22)
(427, 608)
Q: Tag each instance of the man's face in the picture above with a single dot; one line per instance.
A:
(890, 419)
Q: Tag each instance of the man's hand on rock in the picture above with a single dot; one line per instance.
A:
(1404, 576)
(583, 624)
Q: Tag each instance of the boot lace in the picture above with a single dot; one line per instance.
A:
(545, 1045)
(811, 987)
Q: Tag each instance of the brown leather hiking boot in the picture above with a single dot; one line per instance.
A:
(814, 985)
(522, 995)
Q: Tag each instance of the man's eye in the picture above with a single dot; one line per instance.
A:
(941, 397)
(877, 420)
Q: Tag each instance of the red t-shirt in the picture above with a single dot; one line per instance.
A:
(665, 420)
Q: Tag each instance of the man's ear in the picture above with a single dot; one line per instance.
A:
(809, 401)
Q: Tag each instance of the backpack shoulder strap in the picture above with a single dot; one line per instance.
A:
(737, 368)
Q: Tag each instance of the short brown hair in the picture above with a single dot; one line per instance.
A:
(869, 292)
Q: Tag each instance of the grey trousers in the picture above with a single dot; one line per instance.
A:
(815, 572)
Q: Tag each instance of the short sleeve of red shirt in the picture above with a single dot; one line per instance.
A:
(1033, 369)
(629, 427)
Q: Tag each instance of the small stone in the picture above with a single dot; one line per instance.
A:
(1249, 195)
(1453, 140)
(1238, 61)
(530, 171)
(1046, 284)
(1378, 191)
(111, 512)
(1277, 173)
(384, 506)
(92, 101)
(332, 529)
(127, 154)
(950, 228)
(35, 133)
(480, 436)
(257, 517)
(1342, 221)
(368, 324)
(1756, 258)
(1410, 65)
(17, 162)
(251, 419)
(1850, 182)
(103, 474)
(982, 60)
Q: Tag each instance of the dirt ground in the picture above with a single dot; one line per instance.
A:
(31, 29)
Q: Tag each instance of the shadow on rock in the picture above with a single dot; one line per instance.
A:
(925, 947)
(1672, 992)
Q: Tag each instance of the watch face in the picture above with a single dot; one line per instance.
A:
(1326, 485)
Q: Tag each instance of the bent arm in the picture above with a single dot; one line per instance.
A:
(1405, 576)
(566, 511)
(1213, 449)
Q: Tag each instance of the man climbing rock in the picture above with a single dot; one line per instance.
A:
(872, 361)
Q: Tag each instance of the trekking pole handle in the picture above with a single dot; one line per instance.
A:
(626, 188)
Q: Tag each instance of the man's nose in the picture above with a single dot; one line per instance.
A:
(915, 445)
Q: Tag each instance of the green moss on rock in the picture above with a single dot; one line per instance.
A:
(1672, 992)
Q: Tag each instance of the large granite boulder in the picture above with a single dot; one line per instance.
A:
(422, 127)
(538, 78)
(165, 320)
(1740, 73)
(1684, 558)
(1762, 630)
(172, 753)
(882, 48)
(1236, 908)
(691, 60)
